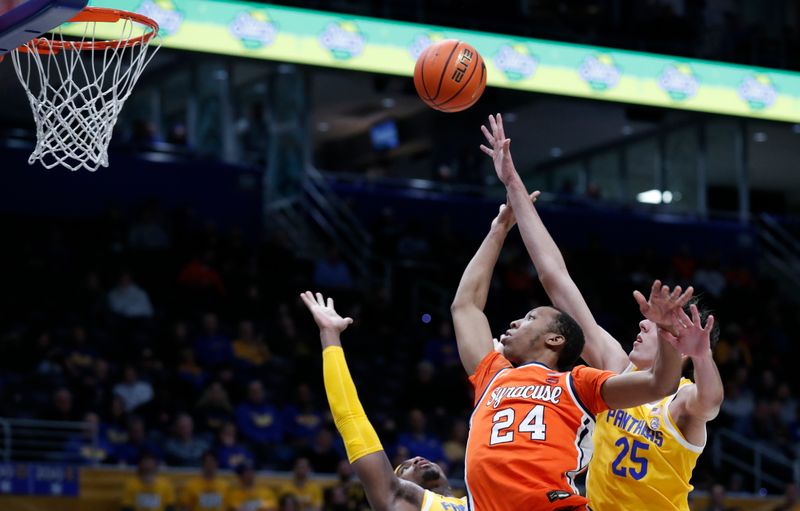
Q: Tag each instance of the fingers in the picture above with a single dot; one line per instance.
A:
(349, 321)
(506, 145)
(654, 289)
(488, 135)
(686, 296)
(488, 151)
(330, 303)
(709, 324)
(320, 300)
(308, 299)
(641, 300)
(535, 195)
(493, 124)
(675, 293)
(501, 131)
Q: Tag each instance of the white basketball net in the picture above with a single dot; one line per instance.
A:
(76, 95)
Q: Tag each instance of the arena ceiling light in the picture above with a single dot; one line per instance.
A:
(654, 197)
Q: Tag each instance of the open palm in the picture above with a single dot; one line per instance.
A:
(661, 305)
(324, 314)
(500, 148)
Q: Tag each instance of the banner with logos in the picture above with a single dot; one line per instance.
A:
(301, 36)
(39, 479)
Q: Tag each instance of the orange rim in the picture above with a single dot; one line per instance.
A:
(98, 15)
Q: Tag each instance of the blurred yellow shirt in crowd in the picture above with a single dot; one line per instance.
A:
(309, 495)
(200, 494)
(155, 496)
(258, 498)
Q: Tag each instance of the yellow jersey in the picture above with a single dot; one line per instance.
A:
(641, 459)
(140, 496)
(257, 498)
(435, 502)
(200, 494)
(309, 495)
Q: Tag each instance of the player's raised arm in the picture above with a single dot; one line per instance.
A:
(473, 334)
(700, 402)
(662, 379)
(601, 349)
(364, 449)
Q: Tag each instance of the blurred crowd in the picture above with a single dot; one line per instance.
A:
(181, 341)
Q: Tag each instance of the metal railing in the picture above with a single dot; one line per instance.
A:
(47, 441)
(781, 250)
(765, 465)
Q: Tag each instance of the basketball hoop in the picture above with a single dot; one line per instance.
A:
(77, 97)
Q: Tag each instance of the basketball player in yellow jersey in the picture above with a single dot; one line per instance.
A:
(417, 484)
(643, 456)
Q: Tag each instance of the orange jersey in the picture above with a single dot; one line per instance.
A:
(530, 434)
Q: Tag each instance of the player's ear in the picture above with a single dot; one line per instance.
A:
(555, 340)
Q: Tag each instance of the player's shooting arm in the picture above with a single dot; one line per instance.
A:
(473, 334)
(601, 349)
(364, 451)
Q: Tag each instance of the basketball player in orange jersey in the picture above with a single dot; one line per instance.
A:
(643, 456)
(416, 484)
(530, 432)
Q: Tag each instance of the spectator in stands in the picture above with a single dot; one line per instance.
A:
(249, 350)
(184, 449)
(289, 502)
(137, 444)
(190, 374)
(230, 452)
(91, 445)
(246, 495)
(422, 392)
(129, 300)
(349, 487)
(117, 420)
(79, 358)
(418, 440)
(198, 275)
(133, 391)
(302, 420)
(323, 454)
(213, 348)
(259, 422)
(63, 407)
(455, 447)
(441, 349)
(147, 491)
(739, 403)
(308, 493)
(214, 408)
(709, 277)
(332, 273)
(716, 500)
(205, 492)
(148, 233)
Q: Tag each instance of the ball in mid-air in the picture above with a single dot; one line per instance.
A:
(450, 76)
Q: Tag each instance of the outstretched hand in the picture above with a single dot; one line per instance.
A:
(660, 307)
(693, 339)
(499, 149)
(505, 216)
(326, 317)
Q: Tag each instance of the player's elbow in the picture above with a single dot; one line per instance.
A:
(461, 303)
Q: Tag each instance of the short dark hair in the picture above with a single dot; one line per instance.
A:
(705, 312)
(563, 324)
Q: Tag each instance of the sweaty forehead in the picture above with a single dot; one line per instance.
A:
(543, 311)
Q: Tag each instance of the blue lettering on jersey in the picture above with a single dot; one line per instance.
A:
(627, 422)
(448, 506)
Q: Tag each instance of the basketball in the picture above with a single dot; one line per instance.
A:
(450, 76)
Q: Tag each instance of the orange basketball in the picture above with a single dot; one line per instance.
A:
(450, 76)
